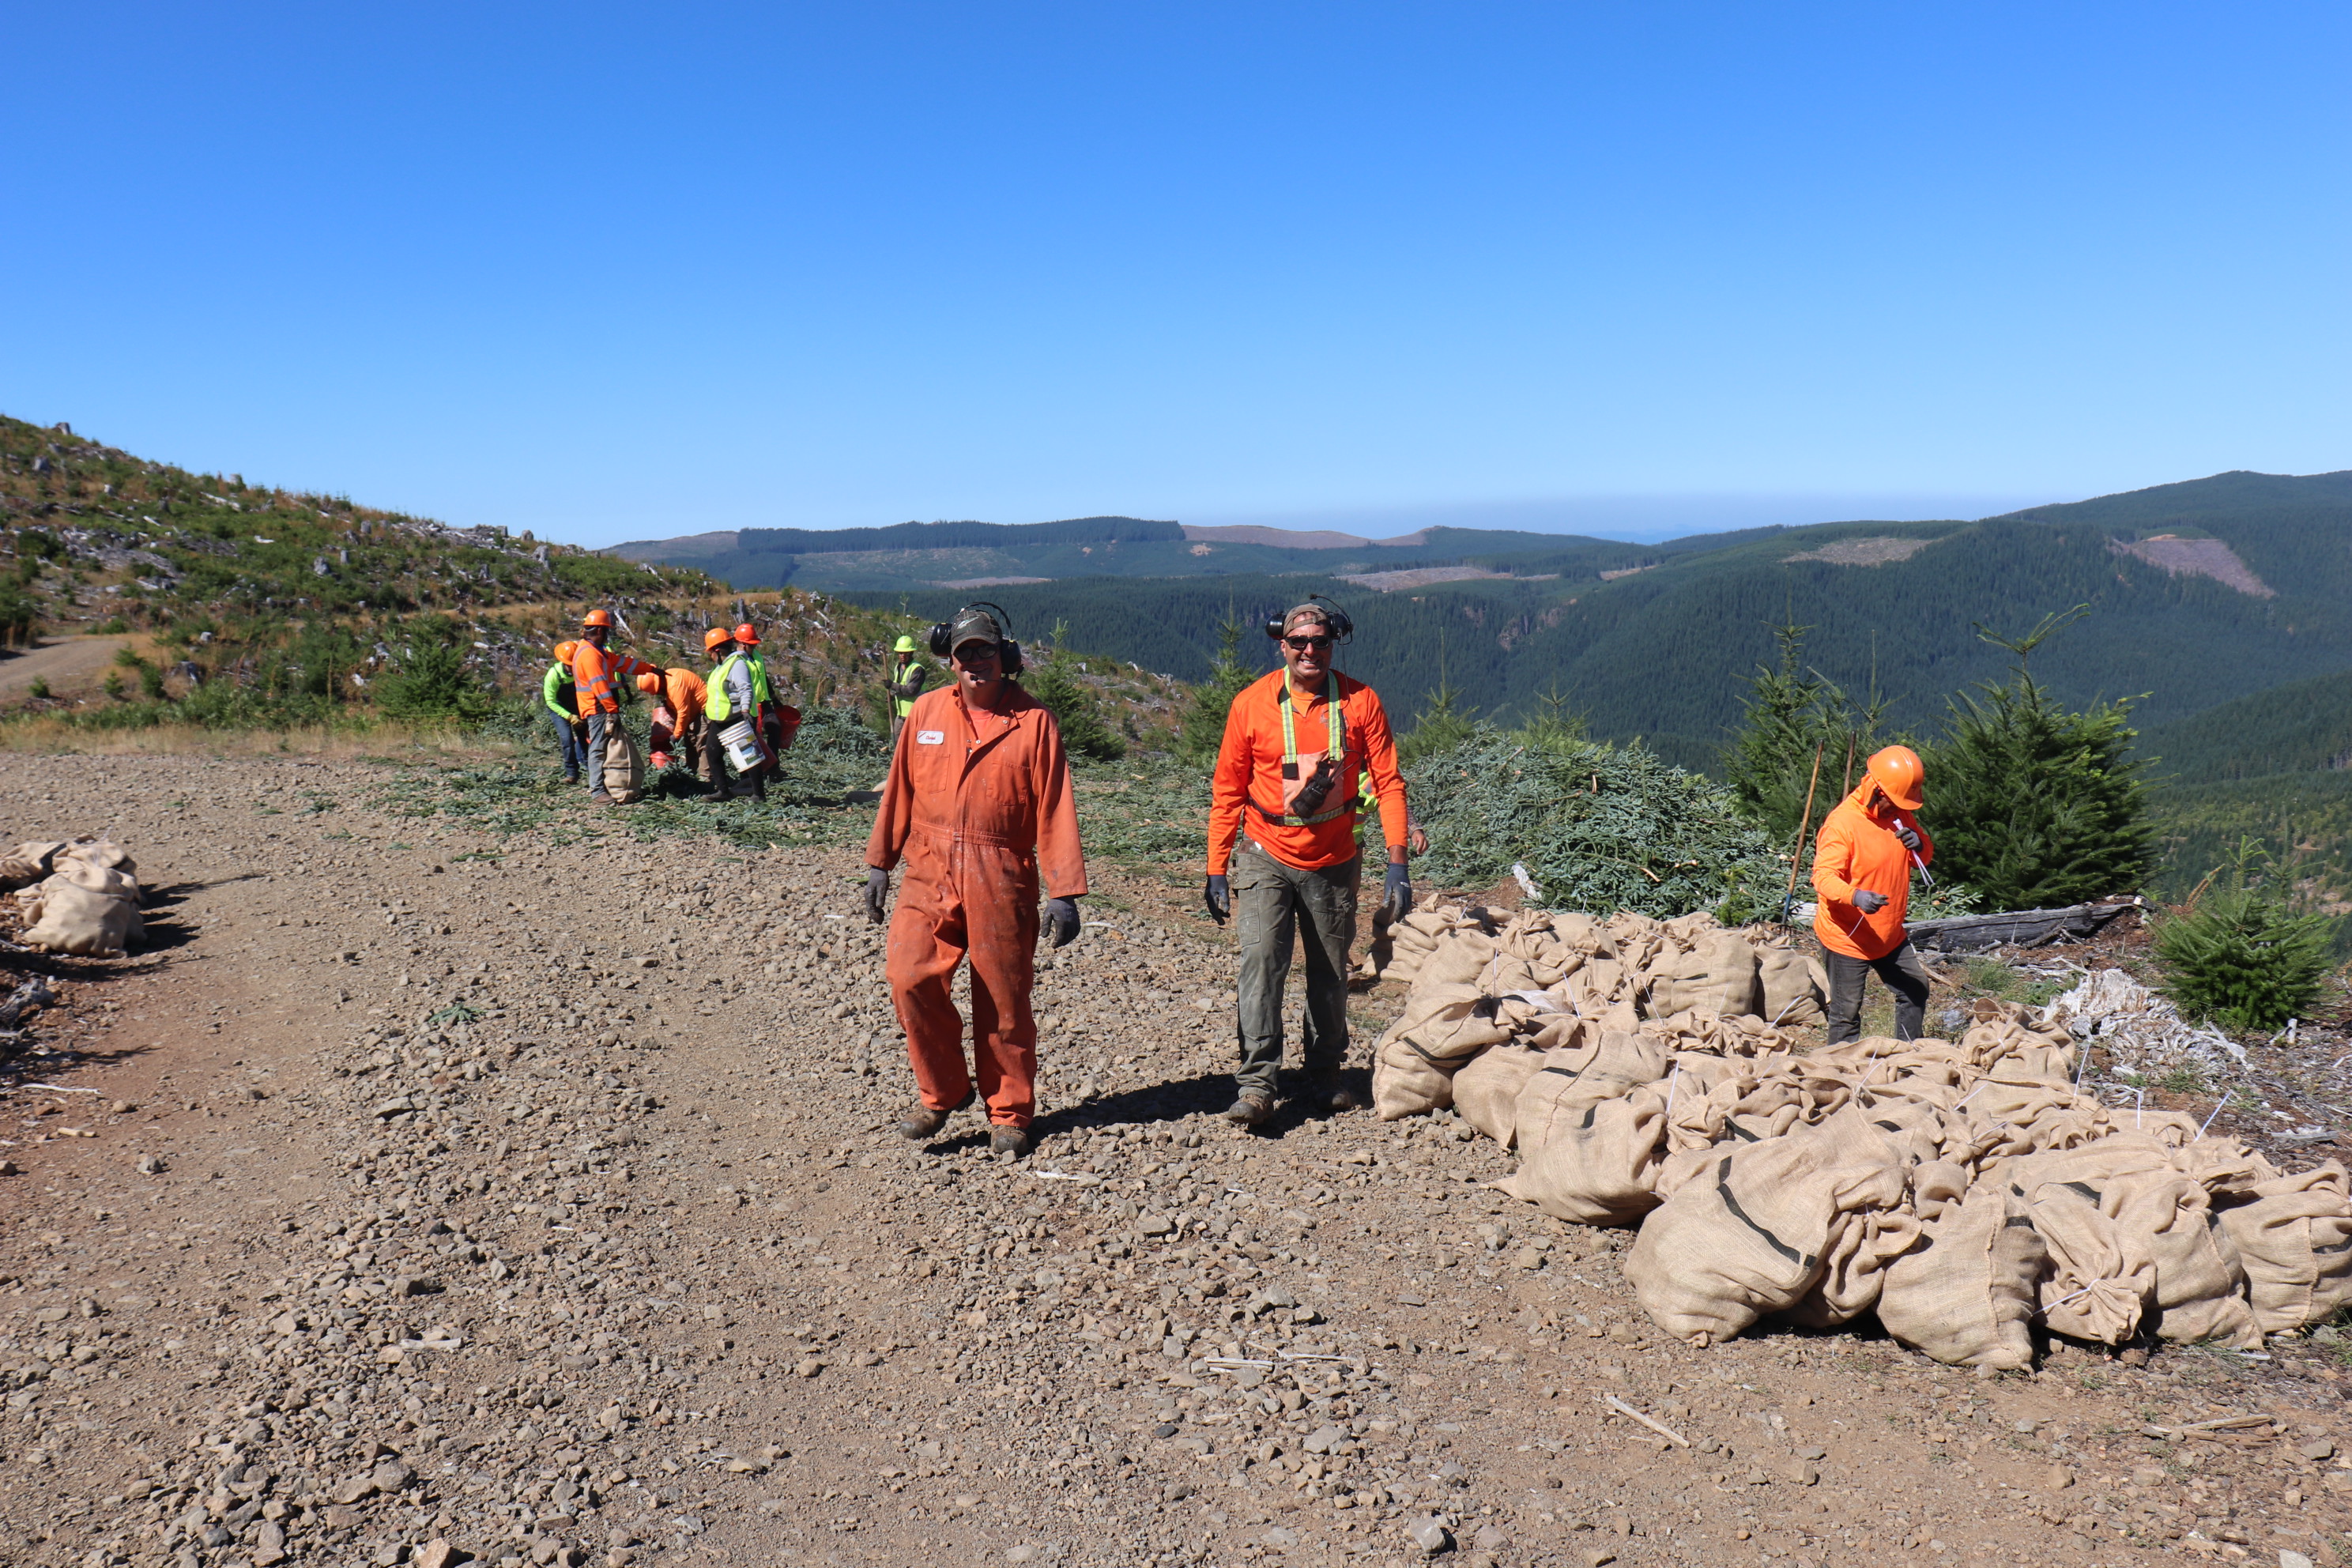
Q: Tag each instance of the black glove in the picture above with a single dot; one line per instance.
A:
(1396, 893)
(877, 893)
(1868, 902)
(1219, 896)
(1062, 917)
(1908, 835)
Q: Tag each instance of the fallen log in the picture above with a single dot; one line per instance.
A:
(2018, 928)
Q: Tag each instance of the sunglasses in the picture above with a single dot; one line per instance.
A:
(1300, 645)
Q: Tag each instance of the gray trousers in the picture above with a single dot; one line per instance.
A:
(594, 761)
(1904, 974)
(1272, 901)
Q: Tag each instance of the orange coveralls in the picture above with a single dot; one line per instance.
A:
(1855, 850)
(977, 804)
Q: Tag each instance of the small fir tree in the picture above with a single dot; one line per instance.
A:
(1202, 730)
(2033, 805)
(2239, 956)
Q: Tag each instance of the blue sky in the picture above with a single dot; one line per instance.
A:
(615, 273)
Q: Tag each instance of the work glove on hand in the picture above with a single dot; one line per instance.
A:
(877, 893)
(1218, 897)
(1396, 893)
(1908, 835)
(1868, 902)
(1062, 916)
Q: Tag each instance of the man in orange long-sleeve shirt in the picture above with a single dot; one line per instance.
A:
(978, 802)
(1861, 874)
(679, 697)
(1297, 746)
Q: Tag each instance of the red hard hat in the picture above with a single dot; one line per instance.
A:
(714, 636)
(748, 635)
(597, 618)
(1899, 771)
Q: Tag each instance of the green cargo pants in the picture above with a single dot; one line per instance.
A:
(1271, 903)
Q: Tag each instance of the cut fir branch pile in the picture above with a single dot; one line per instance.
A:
(1598, 828)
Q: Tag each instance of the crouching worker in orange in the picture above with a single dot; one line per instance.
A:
(1862, 873)
(978, 805)
(679, 697)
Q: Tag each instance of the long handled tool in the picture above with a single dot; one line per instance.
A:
(1804, 825)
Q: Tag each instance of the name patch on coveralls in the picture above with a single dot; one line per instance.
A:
(931, 737)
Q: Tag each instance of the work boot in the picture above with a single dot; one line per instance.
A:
(923, 1121)
(1331, 1094)
(1249, 1110)
(1012, 1140)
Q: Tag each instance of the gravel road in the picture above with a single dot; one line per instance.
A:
(424, 1196)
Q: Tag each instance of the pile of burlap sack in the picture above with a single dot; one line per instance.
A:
(1965, 1190)
(84, 897)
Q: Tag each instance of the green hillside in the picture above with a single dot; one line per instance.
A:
(2302, 727)
(1664, 652)
(914, 555)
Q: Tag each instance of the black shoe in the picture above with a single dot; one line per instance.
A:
(1012, 1140)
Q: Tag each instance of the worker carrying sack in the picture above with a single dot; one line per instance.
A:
(624, 766)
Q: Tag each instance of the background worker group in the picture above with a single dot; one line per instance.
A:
(582, 692)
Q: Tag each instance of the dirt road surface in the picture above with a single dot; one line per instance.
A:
(421, 1197)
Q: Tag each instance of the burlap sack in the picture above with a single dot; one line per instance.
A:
(97, 878)
(103, 852)
(28, 863)
(1486, 1092)
(1717, 973)
(70, 918)
(1598, 1168)
(1603, 1066)
(625, 766)
(2199, 1289)
(1415, 937)
(2101, 1281)
(2294, 1240)
(1792, 988)
(1442, 1028)
(1966, 1292)
(1748, 1235)
(1861, 1248)
(1462, 959)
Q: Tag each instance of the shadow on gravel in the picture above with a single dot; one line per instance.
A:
(1202, 1094)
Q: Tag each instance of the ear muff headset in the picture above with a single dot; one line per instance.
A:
(1342, 627)
(1008, 652)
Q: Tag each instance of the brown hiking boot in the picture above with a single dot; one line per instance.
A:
(1249, 1110)
(923, 1121)
(1012, 1140)
(1332, 1095)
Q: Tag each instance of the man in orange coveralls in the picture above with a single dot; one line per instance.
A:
(1862, 872)
(1297, 744)
(978, 802)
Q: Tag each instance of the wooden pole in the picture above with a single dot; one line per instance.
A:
(1804, 825)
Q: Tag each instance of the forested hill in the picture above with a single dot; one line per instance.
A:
(2199, 594)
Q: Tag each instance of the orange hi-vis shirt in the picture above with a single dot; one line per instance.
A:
(1251, 781)
(1857, 849)
(684, 694)
(592, 679)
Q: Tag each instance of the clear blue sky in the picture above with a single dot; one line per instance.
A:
(612, 272)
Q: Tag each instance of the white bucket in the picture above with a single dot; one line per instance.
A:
(742, 743)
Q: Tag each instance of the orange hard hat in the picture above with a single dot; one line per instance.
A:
(748, 635)
(1899, 771)
(564, 650)
(597, 618)
(650, 684)
(714, 636)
